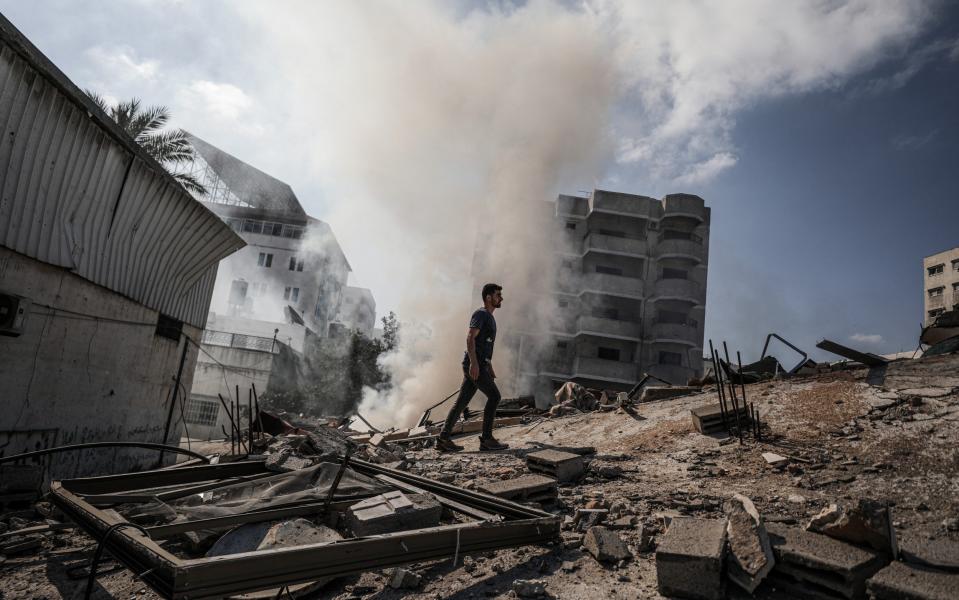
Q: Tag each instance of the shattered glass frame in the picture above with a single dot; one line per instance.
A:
(500, 524)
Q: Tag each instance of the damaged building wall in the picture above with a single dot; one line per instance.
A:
(93, 369)
(95, 235)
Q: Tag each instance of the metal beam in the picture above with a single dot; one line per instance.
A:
(866, 358)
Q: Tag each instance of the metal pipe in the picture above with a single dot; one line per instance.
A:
(148, 445)
(742, 380)
(732, 393)
(256, 404)
(176, 390)
(721, 385)
(249, 408)
(229, 415)
(336, 480)
(722, 406)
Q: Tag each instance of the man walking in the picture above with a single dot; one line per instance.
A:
(478, 373)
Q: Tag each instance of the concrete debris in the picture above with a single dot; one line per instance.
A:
(393, 511)
(941, 553)
(571, 398)
(774, 460)
(404, 579)
(285, 460)
(750, 556)
(564, 466)
(868, 523)
(536, 488)
(689, 559)
(529, 588)
(653, 393)
(605, 545)
(821, 562)
(899, 581)
(708, 418)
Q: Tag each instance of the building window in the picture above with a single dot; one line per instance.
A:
(608, 353)
(609, 270)
(265, 260)
(935, 269)
(608, 313)
(671, 358)
(671, 316)
(201, 412)
(955, 265)
(291, 293)
(563, 303)
(935, 292)
(561, 345)
(293, 264)
(936, 312)
(571, 225)
(669, 273)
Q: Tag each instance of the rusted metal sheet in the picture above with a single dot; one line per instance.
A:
(77, 192)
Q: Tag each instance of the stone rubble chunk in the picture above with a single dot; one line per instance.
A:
(899, 581)
(941, 553)
(775, 460)
(605, 545)
(689, 559)
(404, 579)
(868, 523)
(750, 556)
(564, 466)
(285, 460)
(393, 511)
(819, 561)
(529, 588)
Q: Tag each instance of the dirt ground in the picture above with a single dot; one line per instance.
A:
(887, 434)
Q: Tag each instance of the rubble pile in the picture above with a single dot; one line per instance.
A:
(850, 493)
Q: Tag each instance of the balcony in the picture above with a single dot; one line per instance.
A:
(685, 289)
(596, 368)
(681, 248)
(603, 283)
(684, 205)
(675, 332)
(597, 242)
(607, 327)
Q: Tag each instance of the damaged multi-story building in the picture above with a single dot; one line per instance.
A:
(630, 294)
(107, 267)
(282, 295)
(940, 284)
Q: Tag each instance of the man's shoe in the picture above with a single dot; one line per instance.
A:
(447, 445)
(492, 445)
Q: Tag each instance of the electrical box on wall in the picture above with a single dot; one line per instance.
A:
(13, 312)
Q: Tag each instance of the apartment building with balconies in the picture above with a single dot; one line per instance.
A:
(940, 284)
(630, 293)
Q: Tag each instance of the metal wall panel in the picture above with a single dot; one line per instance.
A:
(77, 193)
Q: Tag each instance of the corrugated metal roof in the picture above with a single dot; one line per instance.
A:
(77, 192)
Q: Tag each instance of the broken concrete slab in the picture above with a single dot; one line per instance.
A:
(708, 418)
(605, 545)
(941, 553)
(750, 556)
(820, 560)
(393, 511)
(651, 393)
(689, 558)
(775, 460)
(285, 461)
(900, 581)
(270, 536)
(529, 588)
(869, 523)
(564, 466)
(536, 488)
(927, 392)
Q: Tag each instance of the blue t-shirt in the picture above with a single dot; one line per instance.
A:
(483, 320)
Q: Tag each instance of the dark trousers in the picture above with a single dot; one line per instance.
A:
(483, 383)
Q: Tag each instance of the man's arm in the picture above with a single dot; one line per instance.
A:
(471, 351)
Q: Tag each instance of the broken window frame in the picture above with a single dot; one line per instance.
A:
(935, 269)
(502, 524)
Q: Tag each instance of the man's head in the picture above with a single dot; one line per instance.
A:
(492, 295)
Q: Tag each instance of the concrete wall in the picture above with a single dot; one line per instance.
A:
(72, 378)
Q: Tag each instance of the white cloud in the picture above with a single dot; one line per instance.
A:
(708, 169)
(867, 338)
(914, 142)
(120, 64)
(222, 101)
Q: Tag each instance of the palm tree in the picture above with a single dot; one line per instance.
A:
(170, 148)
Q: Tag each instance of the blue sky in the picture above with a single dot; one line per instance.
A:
(823, 135)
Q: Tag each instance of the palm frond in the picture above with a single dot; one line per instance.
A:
(168, 146)
(98, 100)
(191, 183)
(150, 120)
